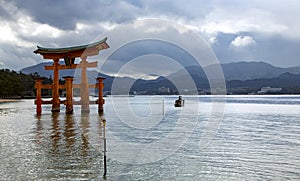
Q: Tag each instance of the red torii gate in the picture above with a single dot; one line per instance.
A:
(69, 54)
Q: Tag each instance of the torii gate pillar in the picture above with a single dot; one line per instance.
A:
(69, 94)
(55, 87)
(84, 87)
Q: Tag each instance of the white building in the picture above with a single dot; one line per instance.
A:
(164, 90)
(265, 90)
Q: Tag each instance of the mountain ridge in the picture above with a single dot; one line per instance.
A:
(237, 74)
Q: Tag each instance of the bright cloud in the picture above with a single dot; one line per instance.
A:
(8, 34)
(241, 20)
(242, 41)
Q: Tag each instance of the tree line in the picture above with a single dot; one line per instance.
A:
(17, 84)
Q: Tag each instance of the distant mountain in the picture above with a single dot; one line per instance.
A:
(40, 69)
(91, 74)
(254, 70)
(238, 71)
(238, 75)
(232, 71)
(284, 80)
(253, 75)
(242, 70)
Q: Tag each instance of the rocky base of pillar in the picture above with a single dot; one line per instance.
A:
(55, 110)
(100, 111)
(69, 111)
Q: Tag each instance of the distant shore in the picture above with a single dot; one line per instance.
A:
(9, 100)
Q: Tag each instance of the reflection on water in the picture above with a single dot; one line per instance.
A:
(55, 147)
(258, 139)
(85, 125)
(66, 146)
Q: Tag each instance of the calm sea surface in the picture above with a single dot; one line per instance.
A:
(211, 138)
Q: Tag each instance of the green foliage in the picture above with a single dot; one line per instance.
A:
(18, 84)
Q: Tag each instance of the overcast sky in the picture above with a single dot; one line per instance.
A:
(247, 30)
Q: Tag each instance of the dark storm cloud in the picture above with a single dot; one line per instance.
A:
(139, 4)
(65, 14)
(236, 30)
(4, 14)
(55, 13)
(148, 47)
(189, 10)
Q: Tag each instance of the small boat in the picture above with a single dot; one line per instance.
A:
(179, 102)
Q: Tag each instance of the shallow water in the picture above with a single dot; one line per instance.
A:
(211, 138)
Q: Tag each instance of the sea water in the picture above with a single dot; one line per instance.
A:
(210, 138)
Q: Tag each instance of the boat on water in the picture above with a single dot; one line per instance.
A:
(179, 102)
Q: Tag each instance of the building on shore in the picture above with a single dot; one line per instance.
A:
(266, 90)
(164, 90)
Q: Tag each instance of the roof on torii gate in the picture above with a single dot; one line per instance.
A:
(73, 52)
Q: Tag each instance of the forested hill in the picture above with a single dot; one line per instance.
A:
(17, 84)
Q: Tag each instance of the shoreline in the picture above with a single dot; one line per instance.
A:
(9, 100)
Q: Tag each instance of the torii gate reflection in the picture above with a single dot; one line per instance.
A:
(61, 139)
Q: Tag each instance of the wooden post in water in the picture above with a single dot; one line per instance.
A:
(100, 101)
(104, 148)
(38, 101)
(84, 87)
(55, 87)
(69, 94)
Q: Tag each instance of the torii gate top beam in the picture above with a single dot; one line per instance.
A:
(72, 52)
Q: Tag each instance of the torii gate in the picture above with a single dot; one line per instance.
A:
(69, 54)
